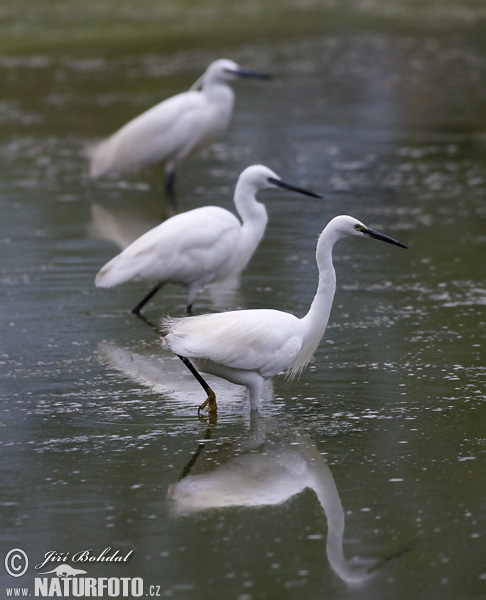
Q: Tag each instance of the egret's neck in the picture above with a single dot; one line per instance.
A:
(316, 319)
(253, 215)
(220, 94)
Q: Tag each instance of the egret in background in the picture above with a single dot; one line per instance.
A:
(248, 346)
(201, 246)
(174, 129)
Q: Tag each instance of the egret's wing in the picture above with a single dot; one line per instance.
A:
(266, 341)
(156, 135)
(186, 247)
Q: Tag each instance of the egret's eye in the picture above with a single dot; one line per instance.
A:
(359, 227)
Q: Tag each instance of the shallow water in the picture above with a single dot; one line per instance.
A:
(383, 434)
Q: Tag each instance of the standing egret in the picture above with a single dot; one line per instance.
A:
(174, 129)
(248, 346)
(201, 246)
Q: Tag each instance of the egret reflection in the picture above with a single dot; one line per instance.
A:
(121, 227)
(266, 473)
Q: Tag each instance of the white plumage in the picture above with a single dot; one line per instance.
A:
(174, 129)
(248, 346)
(245, 339)
(201, 246)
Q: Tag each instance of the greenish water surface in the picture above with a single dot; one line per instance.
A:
(364, 479)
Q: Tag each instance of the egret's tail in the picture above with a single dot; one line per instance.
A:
(114, 273)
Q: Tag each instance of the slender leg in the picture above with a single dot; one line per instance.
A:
(170, 183)
(211, 399)
(170, 190)
(143, 302)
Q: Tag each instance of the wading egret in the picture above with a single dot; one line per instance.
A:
(201, 246)
(248, 346)
(174, 129)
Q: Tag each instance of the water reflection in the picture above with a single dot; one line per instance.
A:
(266, 472)
(389, 117)
(120, 226)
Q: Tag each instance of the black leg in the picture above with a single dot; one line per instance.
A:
(170, 190)
(143, 302)
(211, 399)
(170, 183)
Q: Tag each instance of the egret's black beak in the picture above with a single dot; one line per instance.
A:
(292, 188)
(381, 236)
(252, 74)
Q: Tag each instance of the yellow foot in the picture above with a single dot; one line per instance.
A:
(210, 402)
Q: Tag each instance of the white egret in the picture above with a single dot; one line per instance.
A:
(248, 346)
(174, 129)
(201, 246)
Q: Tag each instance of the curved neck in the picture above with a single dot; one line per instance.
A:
(218, 92)
(253, 213)
(315, 321)
(317, 317)
(254, 217)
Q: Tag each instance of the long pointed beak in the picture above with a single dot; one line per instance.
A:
(293, 188)
(252, 74)
(384, 238)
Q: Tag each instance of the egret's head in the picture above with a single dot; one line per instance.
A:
(260, 177)
(345, 225)
(225, 69)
